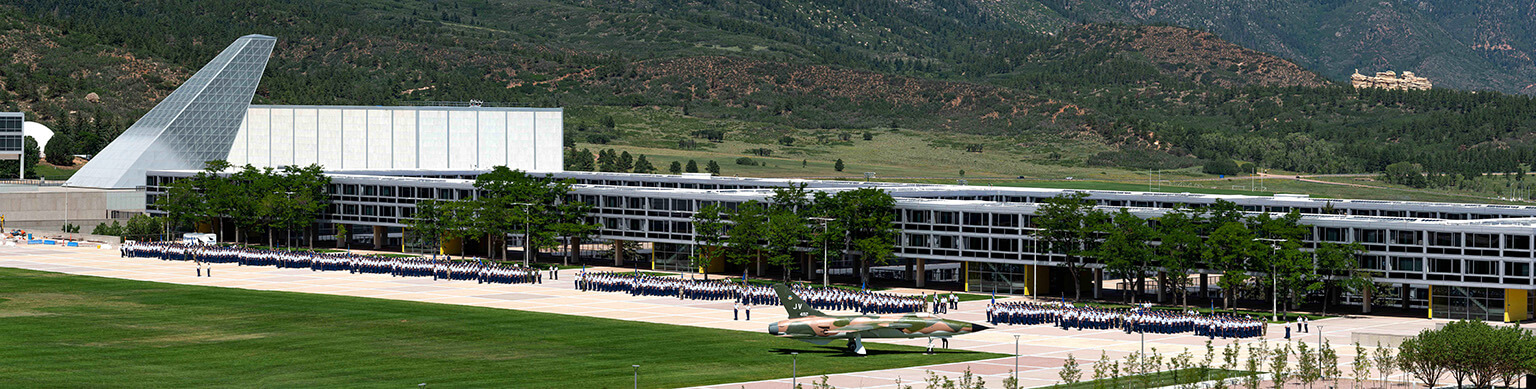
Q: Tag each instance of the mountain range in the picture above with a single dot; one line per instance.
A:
(1141, 84)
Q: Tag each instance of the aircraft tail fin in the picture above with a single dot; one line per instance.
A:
(793, 303)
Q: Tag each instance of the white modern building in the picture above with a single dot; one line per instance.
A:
(384, 138)
(210, 117)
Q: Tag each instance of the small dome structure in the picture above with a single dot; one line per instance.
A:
(38, 132)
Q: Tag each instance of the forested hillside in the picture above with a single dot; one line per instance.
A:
(978, 77)
(1461, 44)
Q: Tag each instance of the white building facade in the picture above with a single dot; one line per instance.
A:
(404, 137)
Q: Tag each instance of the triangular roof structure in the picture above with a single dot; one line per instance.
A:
(196, 123)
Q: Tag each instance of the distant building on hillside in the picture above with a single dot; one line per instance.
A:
(1389, 80)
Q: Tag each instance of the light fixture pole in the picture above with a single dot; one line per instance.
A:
(527, 233)
(794, 369)
(824, 270)
(1015, 358)
(637, 375)
(1274, 283)
(1320, 348)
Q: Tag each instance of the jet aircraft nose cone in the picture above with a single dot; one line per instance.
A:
(773, 328)
(978, 328)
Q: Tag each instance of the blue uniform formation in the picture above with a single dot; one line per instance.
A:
(1132, 320)
(354, 263)
(820, 298)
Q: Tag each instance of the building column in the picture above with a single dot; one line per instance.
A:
(1514, 305)
(1365, 300)
(920, 273)
(379, 235)
(1431, 304)
(572, 254)
(1407, 292)
(810, 266)
(618, 253)
(1098, 282)
(341, 241)
(1162, 286)
(1205, 285)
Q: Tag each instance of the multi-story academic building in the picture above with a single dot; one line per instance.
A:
(1454, 260)
(1457, 260)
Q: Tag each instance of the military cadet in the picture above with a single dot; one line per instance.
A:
(749, 312)
(736, 311)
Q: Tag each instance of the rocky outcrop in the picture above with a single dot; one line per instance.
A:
(1389, 80)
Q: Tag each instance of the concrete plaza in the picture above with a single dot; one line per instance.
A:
(1042, 349)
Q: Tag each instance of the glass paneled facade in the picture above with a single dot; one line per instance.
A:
(10, 132)
(196, 123)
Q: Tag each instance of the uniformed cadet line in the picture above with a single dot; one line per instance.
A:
(750, 295)
(317, 261)
(1130, 320)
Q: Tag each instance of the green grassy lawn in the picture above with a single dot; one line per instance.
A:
(76, 331)
(53, 173)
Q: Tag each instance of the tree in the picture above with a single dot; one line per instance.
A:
(644, 166)
(749, 223)
(1280, 365)
(60, 150)
(1227, 251)
(1179, 252)
(1385, 362)
(1424, 357)
(1221, 166)
(1362, 366)
(1341, 263)
(1330, 363)
(675, 168)
(865, 215)
(430, 222)
(30, 156)
(1125, 250)
(1066, 230)
(788, 226)
(1069, 373)
(693, 167)
(713, 168)
(785, 232)
(1290, 270)
(1257, 353)
(1405, 173)
(626, 162)
(1307, 369)
(710, 227)
(838, 166)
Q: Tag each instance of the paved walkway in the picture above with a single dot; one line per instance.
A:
(1042, 349)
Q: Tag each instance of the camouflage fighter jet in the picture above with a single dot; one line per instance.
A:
(809, 325)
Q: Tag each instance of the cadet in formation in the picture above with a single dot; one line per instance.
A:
(748, 295)
(205, 256)
(1132, 320)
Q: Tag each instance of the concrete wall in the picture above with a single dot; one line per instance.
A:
(48, 208)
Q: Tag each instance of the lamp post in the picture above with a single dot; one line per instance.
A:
(794, 369)
(527, 233)
(1274, 283)
(1015, 358)
(637, 375)
(823, 221)
(1320, 366)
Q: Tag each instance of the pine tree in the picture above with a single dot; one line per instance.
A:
(675, 168)
(626, 162)
(644, 166)
(693, 167)
(839, 165)
(713, 168)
